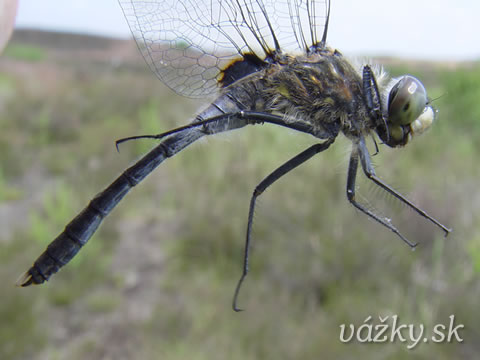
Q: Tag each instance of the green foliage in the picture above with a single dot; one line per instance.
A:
(20, 333)
(21, 329)
(56, 208)
(25, 52)
(462, 94)
(42, 131)
(474, 251)
(8, 192)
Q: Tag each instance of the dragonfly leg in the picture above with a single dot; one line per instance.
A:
(374, 99)
(352, 174)
(370, 173)
(269, 180)
(252, 117)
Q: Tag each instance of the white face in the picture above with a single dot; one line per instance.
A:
(408, 110)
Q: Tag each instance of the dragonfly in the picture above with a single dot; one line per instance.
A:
(266, 62)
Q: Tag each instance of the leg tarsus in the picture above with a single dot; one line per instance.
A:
(264, 184)
(370, 174)
(352, 174)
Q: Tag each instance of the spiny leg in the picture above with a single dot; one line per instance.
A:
(253, 117)
(352, 174)
(269, 180)
(370, 173)
(373, 98)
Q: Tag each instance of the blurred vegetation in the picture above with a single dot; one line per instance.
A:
(25, 52)
(157, 279)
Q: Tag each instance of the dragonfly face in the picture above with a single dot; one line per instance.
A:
(409, 112)
(268, 62)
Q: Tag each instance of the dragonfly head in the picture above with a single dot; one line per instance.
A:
(409, 112)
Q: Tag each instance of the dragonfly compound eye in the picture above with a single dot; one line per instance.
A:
(407, 101)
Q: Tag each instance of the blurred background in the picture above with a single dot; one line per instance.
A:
(157, 279)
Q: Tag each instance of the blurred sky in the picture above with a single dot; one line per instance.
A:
(423, 29)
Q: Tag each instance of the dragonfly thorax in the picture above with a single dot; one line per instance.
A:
(323, 89)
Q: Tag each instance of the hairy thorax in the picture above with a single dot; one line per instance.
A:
(322, 89)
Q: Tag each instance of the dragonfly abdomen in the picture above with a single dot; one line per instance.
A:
(77, 233)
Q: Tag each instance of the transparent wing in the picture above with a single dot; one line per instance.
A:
(187, 43)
